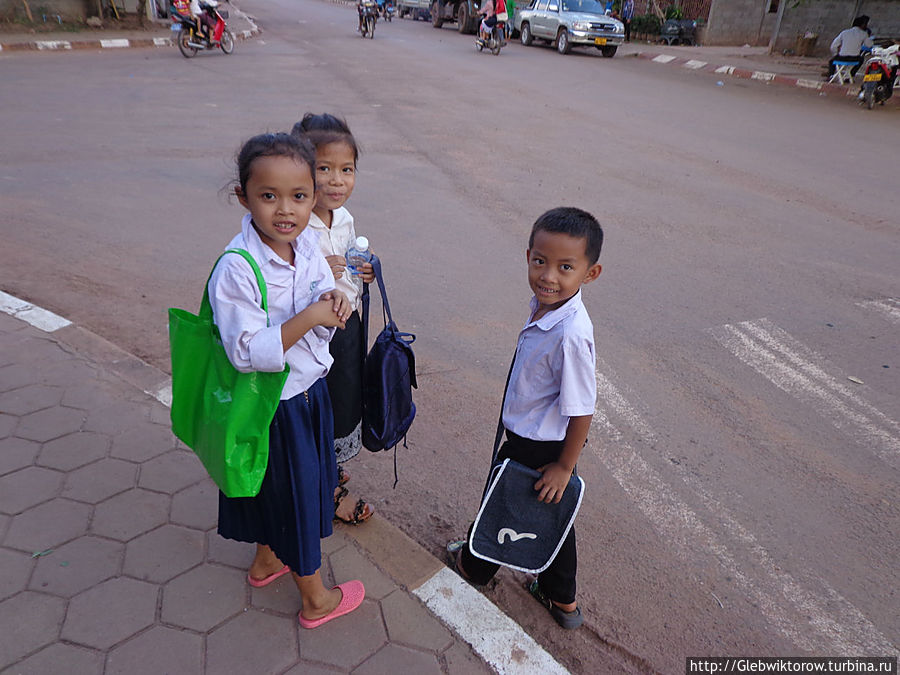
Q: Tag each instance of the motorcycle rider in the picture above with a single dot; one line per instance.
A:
(490, 9)
(202, 19)
(360, 9)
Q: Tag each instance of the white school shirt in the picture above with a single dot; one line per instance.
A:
(553, 374)
(237, 308)
(336, 241)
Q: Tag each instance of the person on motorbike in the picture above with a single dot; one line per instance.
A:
(202, 19)
(360, 9)
(848, 45)
(489, 9)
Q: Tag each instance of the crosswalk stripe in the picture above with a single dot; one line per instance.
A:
(831, 623)
(795, 369)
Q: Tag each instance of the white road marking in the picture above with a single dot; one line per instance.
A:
(494, 636)
(810, 84)
(115, 44)
(663, 58)
(795, 369)
(762, 75)
(890, 307)
(836, 625)
(694, 64)
(725, 70)
(36, 316)
(162, 42)
(53, 44)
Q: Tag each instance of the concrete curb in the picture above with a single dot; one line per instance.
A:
(115, 43)
(824, 88)
(494, 636)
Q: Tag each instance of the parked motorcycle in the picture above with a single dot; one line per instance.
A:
(495, 41)
(368, 12)
(879, 76)
(190, 41)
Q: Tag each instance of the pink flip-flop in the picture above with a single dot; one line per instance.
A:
(259, 583)
(353, 594)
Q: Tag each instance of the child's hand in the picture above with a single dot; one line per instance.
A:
(552, 483)
(340, 304)
(367, 273)
(338, 264)
(323, 314)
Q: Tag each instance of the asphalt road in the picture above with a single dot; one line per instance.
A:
(741, 488)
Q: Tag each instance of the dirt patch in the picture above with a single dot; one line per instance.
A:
(52, 24)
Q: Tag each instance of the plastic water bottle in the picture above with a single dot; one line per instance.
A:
(357, 255)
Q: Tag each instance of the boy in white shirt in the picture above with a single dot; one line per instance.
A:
(552, 388)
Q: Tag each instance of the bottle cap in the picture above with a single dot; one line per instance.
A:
(362, 244)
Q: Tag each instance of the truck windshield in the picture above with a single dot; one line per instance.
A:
(589, 6)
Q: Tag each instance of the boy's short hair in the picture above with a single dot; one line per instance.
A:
(575, 223)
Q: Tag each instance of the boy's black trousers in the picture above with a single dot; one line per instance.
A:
(558, 580)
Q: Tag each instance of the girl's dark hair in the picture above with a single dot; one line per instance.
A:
(575, 223)
(274, 145)
(324, 129)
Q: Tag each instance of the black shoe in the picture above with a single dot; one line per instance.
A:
(568, 620)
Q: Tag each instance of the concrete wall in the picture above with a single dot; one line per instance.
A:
(69, 9)
(737, 22)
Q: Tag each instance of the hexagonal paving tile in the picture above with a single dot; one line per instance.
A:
(15, 375)
(159, 650)
(349, 563)
(77, 566)
(74, 450)
(129, 514)
(197, 506)
(359, 633)
(163, 553)
(50, 423)
(204, 597)
(48, 525)
(17, 453)
(28, 621)
(397, 659)
(461, 660)
(409, 622)
(60, 658)
(111, 612)
(171, 472)
(252, 642)
(16, 568)
(98, 481)
(229, 552)
(116, 418)
(93, 395)
(23, 489)
(146, 443)
(281, 596)
(29, 399)
(7, 424)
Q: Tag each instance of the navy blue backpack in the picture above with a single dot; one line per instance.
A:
(389, 376)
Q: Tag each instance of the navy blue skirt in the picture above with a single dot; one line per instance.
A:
(295, 505)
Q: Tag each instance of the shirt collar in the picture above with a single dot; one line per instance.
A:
(304, 245)
(550, 319)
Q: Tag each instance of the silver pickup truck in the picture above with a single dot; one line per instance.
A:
(569, 23)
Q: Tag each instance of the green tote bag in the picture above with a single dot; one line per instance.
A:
(221, 414)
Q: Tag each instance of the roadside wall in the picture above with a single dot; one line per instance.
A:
(72, 10)
(736, 22)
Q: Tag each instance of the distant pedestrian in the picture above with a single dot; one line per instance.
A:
(293, 510)
(848, 44)
(552, 389)
(336, 157)
(627, 17)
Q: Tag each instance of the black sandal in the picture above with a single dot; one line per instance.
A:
(567, 620)
(359, 511)
(342, 475)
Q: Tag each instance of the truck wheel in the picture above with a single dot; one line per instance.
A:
(436, 19)
(525, 35)
(462, 17)
(562, 42)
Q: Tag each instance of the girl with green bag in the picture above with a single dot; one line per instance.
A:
(293, 510)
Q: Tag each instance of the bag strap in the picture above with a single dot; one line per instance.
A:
(206, 308)
(498, 437)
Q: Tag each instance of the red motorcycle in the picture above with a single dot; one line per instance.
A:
(190, 40)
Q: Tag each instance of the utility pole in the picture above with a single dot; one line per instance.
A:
(777, 28)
